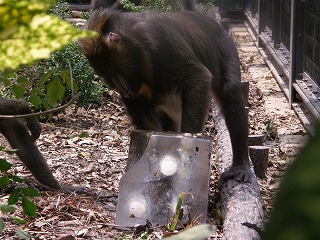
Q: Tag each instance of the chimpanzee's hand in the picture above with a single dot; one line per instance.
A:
(240, 173)
(34, 127)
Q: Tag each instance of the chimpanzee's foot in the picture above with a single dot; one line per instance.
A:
(238, 173)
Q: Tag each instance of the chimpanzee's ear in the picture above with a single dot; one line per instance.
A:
(114, 38)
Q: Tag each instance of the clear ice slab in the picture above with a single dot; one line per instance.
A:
(161, 166)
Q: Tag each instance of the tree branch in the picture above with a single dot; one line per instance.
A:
(53, 110)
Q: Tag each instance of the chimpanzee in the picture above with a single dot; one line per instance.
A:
(16, 131)
(166, 66)
(95, 4)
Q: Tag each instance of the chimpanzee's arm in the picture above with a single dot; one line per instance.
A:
(18, 107)
(143, 114)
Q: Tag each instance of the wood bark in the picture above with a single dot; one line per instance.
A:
(256, 140)
(259, 158)
(240, 202)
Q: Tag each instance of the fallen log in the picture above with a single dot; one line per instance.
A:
(240, 202)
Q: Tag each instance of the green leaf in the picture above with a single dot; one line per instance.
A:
(38, 91)
(18, 219)
(17, 179)
(29, 208)
(45, 77)
(11, 151)
(73, 135)
(55, 92)
(2, 225)
(35, 101)
(5, 81)
(8, 208)
(29, 192)
(4, 165)
(131, 7)
(22, 80)
(197, 232)
(18, 91)
(74, 87)
(16, 13)
(45, 104)
(2, 148)
(175, 218)
(23, 234)
(14, 197)
(84, 134)
(4, 181)
(66, 76)
(35, 38)
(9, 73)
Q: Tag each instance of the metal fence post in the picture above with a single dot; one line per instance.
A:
(262, 19)
(276, 4)
(296, 43)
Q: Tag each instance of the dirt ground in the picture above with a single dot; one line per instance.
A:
(98, 161)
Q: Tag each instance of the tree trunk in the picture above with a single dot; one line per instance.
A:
(240, 202)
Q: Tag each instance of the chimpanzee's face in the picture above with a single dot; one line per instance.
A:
(122, 81)
(126, 87)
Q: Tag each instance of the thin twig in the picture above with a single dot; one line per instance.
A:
(53, 110)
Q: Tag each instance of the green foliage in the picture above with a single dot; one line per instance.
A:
(4, 165)
(47, 83)
(86, 14)
(172, 5)
(80, 1)
(84, 134)
(2, 224)
(208, 2)
(296, 212)
(202, 231)
(172, 226)
(143, 235)
(163, 5)
(23, 234)
(19, 193)
(60, 9)
(45, 93)
(27, 34)
(131, 7)
(80, 71)
(270, 131)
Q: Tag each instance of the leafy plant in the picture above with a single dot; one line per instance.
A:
(163, 5)
(27, 34)
(47, 93)
(271, 130)
(47, 83)
(60, 9)
(20, 195)
(81, 71)
(172, 226)
(178, 215)
(202, 231)
(131, 7)
(143, 235)
(86, 14)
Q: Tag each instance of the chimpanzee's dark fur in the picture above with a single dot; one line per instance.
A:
(166, 66)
